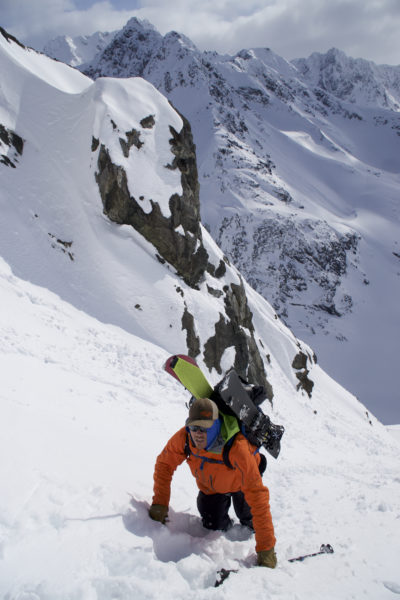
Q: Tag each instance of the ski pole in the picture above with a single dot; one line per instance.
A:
(325, 549)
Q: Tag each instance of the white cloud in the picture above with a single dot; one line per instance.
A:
(291, 28)
(35, 22)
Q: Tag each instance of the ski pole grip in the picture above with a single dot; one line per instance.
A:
(326, 549)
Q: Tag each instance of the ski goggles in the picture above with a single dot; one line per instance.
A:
(198, 428)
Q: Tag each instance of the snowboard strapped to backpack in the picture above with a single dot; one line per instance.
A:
(234, 397)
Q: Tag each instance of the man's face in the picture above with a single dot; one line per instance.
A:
(199, 438)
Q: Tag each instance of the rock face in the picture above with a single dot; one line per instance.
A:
(11, 147)
(178, 240)
(182, 249)
(352, 80)
(308, 255)
(235, 329)
(300, 363)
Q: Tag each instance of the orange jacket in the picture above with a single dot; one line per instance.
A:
(214, 478)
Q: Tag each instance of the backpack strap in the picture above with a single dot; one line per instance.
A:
(225, 453)
(186, 448)
(226, 450)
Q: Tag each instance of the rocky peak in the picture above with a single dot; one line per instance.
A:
(265, 58)
(173, 37)
(352, 79)
(131, 49)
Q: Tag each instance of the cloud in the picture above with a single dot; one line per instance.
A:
(291, 28)
(36, 22)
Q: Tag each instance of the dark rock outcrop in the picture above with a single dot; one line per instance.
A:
(15, 146)
(192, 339)
(132, 139)
(184, 251)
(235, 329)
(177, 239)
(300, 365)
(10, 38)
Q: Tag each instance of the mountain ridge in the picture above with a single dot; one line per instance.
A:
(276, 152)
(77, 50)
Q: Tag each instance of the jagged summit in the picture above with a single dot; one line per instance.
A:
(174, 36)
(355, 80)
(137, 49)
(268, 58)
(135, 23)
(131, 49)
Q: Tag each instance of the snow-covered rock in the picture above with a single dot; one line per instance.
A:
(358, 81)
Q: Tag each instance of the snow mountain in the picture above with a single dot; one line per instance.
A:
(299, 176)
(78, 50)
(105, 270)
(356, 81)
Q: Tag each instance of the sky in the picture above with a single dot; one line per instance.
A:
(292, 28)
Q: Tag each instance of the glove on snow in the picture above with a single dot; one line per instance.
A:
(158, 512)
(267, 558)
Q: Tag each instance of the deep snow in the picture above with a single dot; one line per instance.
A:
(86, 407)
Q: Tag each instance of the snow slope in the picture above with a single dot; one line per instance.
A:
(61, 239)
(299, 172)
(86, 408)
(88, 316)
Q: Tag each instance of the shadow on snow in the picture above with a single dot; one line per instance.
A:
(182, 536)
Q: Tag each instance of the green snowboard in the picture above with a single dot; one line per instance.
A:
(189, 374)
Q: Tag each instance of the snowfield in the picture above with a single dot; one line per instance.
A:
(86, 407)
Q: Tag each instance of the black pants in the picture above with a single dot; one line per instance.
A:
(214, 508)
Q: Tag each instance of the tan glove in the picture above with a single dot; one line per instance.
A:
(158, 512)
(267, 558)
